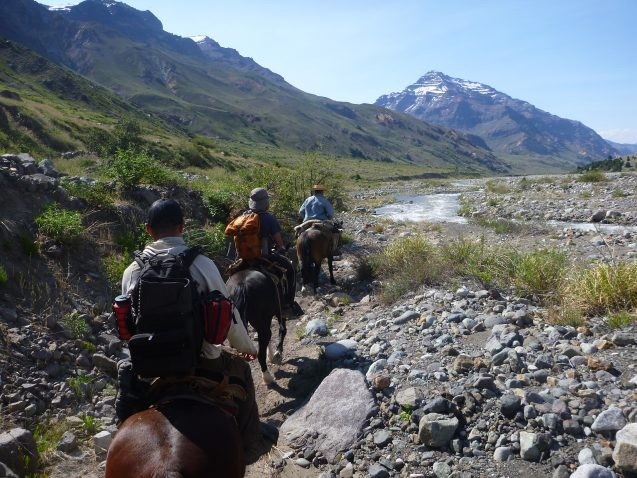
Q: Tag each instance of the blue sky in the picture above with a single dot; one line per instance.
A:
(573, 58)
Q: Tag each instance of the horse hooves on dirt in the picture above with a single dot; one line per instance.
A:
(276, 358)
(268, 379)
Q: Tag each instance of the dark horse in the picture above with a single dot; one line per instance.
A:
(258, 300)
(178, 439)
(312, 246)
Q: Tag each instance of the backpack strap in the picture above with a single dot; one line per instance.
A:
(140, 259)
(189, 255)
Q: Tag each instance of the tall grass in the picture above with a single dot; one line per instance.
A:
(414, 261)
(4, 277)
(604, 288)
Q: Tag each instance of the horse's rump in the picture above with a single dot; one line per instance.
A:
(178, 438)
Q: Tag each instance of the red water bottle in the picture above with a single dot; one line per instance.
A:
(121, 308)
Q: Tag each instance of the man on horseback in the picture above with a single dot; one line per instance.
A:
(270, 247)
(165, 224)
(317, 211)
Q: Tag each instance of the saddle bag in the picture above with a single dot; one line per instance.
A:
(166, 311)
(217, 312)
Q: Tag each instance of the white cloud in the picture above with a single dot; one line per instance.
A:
(623, 135)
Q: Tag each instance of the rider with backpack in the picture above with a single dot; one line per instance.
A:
(258, 241)
(179, 316)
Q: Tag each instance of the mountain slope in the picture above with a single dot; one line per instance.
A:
(508, 125)
(205, 89)
(623, 148)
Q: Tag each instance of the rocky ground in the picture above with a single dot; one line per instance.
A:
(445, 382)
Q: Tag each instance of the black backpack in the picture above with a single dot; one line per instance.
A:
(166, 313)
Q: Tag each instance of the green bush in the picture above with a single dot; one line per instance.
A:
(47, 435)
(133, 240)
(621, 319)
(81, 385)
(130, 168)
(497, 187)
(219, 204)
(4, 277)
(90, 426)
(114, 267)
(210, 239)
(60, 224)
(593, 176)
(97, 194)
(75, 324)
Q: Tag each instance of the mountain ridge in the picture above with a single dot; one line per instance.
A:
(227, 97)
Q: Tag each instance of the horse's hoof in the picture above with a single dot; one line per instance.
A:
(268, 379)
(277, 358)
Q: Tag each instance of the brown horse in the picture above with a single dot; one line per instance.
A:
(178, 439)
(312, 246)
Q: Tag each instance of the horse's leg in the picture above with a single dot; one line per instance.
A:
(316, 271)
(277, 358)
(265, 334)
(331, 268)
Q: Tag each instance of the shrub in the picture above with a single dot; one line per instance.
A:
(496, 187)
(81, 385)
(211, 239)
(4, 277)
(75, 324)
(114, 267)
(621, 319)
(593, 176)
(60, 224)
(96, 194)
(219, 204)
(134, 239)
(129, 168)
(89, 425)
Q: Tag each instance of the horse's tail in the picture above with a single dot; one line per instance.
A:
(306, 254)
(238, 296)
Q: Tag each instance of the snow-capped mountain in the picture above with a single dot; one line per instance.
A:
(507, 125)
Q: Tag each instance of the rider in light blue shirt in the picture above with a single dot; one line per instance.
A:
(317, 206)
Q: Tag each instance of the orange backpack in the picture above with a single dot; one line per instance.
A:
(245, 230)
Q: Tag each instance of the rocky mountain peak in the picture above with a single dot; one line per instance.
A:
(506, 124)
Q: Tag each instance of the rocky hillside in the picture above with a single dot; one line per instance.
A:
(506, 124)
(446, 381)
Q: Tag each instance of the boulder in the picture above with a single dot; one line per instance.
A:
(437, 430)
(18, 451)
(609, 420)
(592, 471)
(625, 452)
(335, 414)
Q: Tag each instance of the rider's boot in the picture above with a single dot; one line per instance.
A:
(132, 391)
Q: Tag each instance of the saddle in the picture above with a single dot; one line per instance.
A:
(275, 272)
(205, 387)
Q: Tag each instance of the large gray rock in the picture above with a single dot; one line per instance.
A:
(533, 445)
(592, 471)
(437, 430)
(105, 364)
(409, 397)
(609, 420)
(341, 349)
(625, 453)
(18, 451)
(316, 327)
(6, 472)
(406, 317)
(335, 413)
